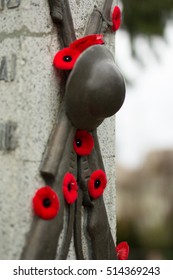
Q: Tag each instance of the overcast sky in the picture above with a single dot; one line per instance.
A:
(145, 122)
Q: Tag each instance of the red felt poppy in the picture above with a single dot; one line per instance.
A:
(116, 18)
(87, 41)
(70, 188)
(83, 143)
(122, 250)
(97, 183)
(66, 58)
(46, 203)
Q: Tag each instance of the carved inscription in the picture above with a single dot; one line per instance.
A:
(8, 140)
(8, 68)
(3, 69)
(1, 5)
(10, 4)
(13, 67)
(13, 4)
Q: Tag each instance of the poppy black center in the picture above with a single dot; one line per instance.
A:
(69, 187)
(46, 202)
(78, 142)
(97, 183)
(67, 58)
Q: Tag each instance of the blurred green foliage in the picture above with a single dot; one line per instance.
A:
(158, 240)
(145, 208)
(146, 17)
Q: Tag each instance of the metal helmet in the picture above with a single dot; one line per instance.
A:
(95, 88)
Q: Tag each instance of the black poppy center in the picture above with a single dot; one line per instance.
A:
(69, 187)
(67, 58)
(46, 202)
(78, 143)
(97, 183)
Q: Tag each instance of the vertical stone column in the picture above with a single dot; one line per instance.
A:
(29, 98)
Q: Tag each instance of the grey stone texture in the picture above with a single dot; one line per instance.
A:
(29, 96)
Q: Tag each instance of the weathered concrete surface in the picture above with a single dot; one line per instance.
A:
(29, 97)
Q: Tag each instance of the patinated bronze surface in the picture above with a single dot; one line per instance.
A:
(100, 92)
(59, 156)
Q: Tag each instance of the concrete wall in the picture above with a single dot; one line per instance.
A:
(29, 105)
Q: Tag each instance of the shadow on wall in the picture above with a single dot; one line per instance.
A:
(145, 207)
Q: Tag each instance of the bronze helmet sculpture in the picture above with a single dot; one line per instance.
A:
(95, 88)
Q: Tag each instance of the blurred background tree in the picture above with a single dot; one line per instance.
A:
(145, 207)
(145, 195)
(146, 17)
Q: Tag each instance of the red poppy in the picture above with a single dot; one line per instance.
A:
(83, 143)
(66, 58)
(70, 188)
(122, 250)
(46, 203)
(87, 41)
(97, 183)
(116, 18)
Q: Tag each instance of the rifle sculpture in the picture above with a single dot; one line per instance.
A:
(72, 164)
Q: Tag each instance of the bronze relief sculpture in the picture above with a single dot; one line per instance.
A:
(72, 163)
